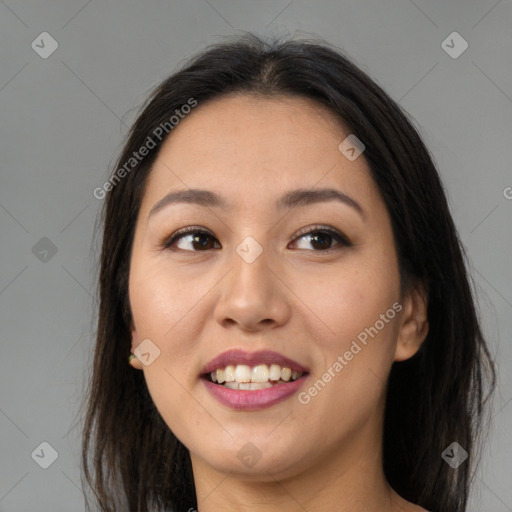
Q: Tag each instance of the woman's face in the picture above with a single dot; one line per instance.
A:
(267, 277)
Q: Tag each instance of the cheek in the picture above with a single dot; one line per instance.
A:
(345, 301)
(161, 300)
(353, 307)
(162, 308)
(161, 312)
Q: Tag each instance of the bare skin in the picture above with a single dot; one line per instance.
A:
(196, 300)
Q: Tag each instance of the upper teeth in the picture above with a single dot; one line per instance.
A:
(260, 373)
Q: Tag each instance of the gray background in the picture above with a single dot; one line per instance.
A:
(63, 119)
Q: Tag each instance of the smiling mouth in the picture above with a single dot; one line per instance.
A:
(251, 378)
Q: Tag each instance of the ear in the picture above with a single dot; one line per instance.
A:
(413, 324)
(136, 363)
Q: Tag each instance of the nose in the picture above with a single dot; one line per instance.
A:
(253, 295)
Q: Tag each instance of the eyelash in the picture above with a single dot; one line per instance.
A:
(166, 243)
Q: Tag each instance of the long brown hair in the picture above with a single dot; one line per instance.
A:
(433, 399)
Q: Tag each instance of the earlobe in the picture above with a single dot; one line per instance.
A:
(413, 325)
(134, 362)
(132, 359)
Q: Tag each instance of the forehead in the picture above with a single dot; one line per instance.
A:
(255, 127)
(253, 148)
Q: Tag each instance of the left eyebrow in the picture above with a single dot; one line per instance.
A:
(304, 197)
(292, 199)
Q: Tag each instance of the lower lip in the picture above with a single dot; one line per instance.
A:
(256, 399)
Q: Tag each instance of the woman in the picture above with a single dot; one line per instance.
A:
(282, 272)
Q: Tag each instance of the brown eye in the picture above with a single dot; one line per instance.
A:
(321, 239)
(198, 239)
